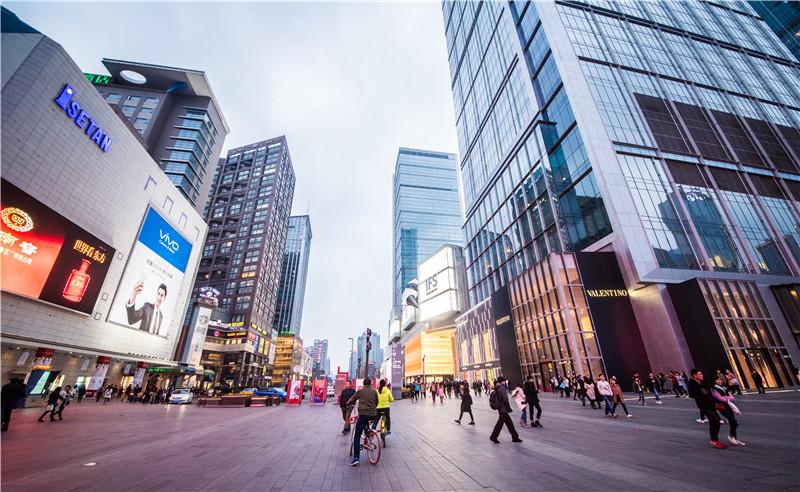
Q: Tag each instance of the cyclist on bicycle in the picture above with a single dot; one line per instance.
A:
(367, 399)
(384, 399)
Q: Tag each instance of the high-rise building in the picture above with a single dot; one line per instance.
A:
(289, 363)
(426, 211)
(783, 17)
(247, 215)
(294, 272)
(665, 132)
(174, 112)
(319, 352)
(358, 359)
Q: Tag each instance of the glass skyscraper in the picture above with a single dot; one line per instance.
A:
(783, 17)
(666, 132)
(294, 272)
(426, 210)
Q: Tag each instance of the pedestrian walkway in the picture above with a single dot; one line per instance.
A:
(152, 447)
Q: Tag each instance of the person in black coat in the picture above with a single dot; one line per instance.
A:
(52, 404)
(10, 397)
(532, 397)
(503, 410)
(466, 405)
(344, 397)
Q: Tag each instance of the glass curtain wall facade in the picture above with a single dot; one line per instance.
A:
(783, 17)
(693, 170)
(294, 272)
(248, 215)
(426, 212)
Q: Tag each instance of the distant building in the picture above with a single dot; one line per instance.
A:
(358, 361)
(783, 17)
(294, 273)
(319, 353)
(174, 112)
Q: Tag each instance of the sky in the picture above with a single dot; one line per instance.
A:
(347, 83)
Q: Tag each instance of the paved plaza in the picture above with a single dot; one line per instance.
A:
(139, 447)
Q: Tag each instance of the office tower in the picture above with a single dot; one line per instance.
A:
(319, 352)
(174, 112)
(783, 17)
(248, 215)
(294, 272)
(664, 132)
(426, 211)
(358, 359)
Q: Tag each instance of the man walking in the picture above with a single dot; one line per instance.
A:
(344, 397)
(701, 394)
(11, 395)
(605, 392)
(498, 400)
(367, 399)
(759, 382)
(532, 398)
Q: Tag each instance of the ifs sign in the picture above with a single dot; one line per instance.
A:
(82, 120)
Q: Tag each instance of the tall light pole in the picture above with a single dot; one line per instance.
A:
(367, 346)
(423, 370)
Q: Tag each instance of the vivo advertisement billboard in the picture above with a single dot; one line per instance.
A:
(148, 292)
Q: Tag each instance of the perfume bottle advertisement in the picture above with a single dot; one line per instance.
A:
(148, 293)
(45, 256)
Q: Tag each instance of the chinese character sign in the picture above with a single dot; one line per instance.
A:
(45, 256)
(151, 285)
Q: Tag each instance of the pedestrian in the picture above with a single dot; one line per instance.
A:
(759, 383)
(532, 398)
(705, 402)
(581, 390)
(11, 396)
(385, 399)
(673, 381)
(367, 399)
(52, 404)
(66, 396)
(682, 383)
(604, 389)
(81, 392)
(498, 400)
(591, 392)
(733, 383)
(466, 405)
(99, 394)
(109, 394)
(638, 388)
(344, 397)
(724, 405)
(618, 397)
(653, 383)
(519, 399)
(441, 394)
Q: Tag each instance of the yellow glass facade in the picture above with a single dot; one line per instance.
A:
(288, 354)
(439, 351)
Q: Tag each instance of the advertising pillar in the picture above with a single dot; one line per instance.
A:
(98, 375)
(138, 376)
(319, 391)
(398, 368)
(40, 371)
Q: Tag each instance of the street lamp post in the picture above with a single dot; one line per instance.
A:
(423, 370)
(350, 362)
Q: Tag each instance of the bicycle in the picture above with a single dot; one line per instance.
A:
(369, 441)
(380, 423)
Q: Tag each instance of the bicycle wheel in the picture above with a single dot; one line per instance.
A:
(372, 445)
(383, 432)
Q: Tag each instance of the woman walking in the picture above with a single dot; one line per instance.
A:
(466, 405)
(441, 394)
(604, 388)
(617, 397)
(733, 383)
(519, 399)
(591, 394)
(52, 404)
(638, 388)
(652, 382)
(724, 406)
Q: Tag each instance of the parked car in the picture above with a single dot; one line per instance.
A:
(331, 392)
(272, 392)
(181, 396)
(250, 392)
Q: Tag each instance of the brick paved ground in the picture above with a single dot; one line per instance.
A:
(143, 447)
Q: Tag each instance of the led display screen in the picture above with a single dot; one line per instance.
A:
(46, 257)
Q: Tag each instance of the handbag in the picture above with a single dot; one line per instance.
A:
(719, 406)
(734, 408)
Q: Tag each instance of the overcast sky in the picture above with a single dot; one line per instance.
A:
(347, 83)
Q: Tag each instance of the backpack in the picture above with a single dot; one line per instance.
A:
(494, 404)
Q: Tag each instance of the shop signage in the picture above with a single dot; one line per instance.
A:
(97, 78)
(149, 291)
(502, 320)
(82, 120)
(607, 293)
(209, 295)
(45, 256)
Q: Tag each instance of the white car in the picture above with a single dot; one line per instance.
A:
(331, 392)
(181, 396)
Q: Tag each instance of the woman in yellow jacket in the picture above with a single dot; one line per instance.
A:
(384, 399)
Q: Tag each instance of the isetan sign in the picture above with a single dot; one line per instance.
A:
(66, 101)
(607, 293)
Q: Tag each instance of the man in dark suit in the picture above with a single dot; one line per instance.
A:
(149, 314)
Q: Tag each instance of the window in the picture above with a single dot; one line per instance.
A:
(113, 98)
(132, 101)
(150, 102)
(127, 111)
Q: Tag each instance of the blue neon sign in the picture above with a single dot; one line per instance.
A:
(82, 119)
